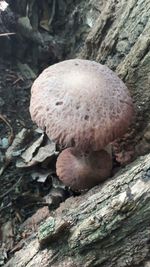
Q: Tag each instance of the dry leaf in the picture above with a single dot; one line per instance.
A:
(12, 150)
(7, 235)
(28, 154)
(43, 152)
(40, 177)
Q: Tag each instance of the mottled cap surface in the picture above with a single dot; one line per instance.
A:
(81, 103)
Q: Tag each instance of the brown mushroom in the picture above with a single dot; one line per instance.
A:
(80, 104)
(80, 170)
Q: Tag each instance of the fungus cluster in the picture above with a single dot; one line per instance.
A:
(82, 106)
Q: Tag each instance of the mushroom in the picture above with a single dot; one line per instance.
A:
(82, 106)
(80, 170)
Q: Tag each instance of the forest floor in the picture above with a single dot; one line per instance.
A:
(28, 194)
(14, 115)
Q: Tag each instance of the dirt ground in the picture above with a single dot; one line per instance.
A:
(29, 194)
(14, 103)
(21, 195)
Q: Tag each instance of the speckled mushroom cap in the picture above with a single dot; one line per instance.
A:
(81, 103)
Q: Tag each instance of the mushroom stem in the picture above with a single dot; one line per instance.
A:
(83, 170)
(108, 149)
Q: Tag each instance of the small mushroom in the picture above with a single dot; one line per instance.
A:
(80, 170)
(84, 105)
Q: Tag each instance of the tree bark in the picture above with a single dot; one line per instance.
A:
(107, 226)
(120, 38)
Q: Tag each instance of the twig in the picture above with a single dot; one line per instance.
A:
(52, 13)
(11, 129)
(6, 207)
(18, 80)
(7, 33)
(11, 189)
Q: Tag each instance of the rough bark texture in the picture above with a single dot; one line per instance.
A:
(110, 224)
(107, 226)
(120, 38)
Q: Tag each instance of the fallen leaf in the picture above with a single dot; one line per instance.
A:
(10, 152)
(3, 5)
(40, 177)
(27, 155)
(3, 256)
(45, 152)
(7, 235)
(42, 153)
(16, 143)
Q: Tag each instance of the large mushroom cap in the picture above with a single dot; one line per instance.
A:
(81, 103)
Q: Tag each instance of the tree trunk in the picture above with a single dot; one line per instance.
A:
(120, 38)
(110, 224)
(107, 226)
